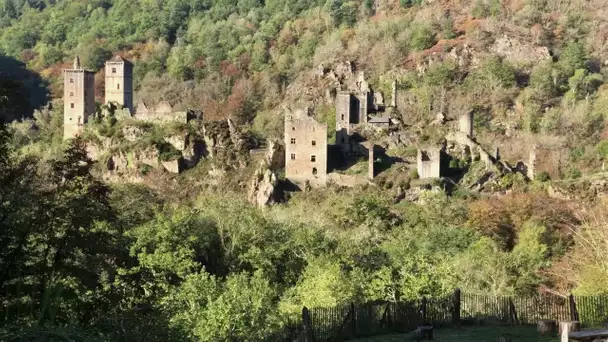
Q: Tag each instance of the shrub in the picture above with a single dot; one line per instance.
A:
(542, 176)
(602, 148)
(422, 36)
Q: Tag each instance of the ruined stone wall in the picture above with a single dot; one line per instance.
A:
(429, 163)
(544, 159)
(305, 151)
(465, 124)
(162, 112)
(78, 100)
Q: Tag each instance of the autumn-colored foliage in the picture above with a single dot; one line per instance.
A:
(503, 217)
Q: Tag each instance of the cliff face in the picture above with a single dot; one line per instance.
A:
(131, 149)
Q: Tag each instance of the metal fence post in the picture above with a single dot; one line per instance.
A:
(456, 307)
(423, 310)
(353, 319)
(573, 311)
(306, 325)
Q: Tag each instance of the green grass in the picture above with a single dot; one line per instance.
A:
(473, 334)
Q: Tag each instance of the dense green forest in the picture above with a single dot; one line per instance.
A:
(184, 260)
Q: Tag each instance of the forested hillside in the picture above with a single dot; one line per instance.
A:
(185, 257)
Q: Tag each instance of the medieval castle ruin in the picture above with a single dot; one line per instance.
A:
(79, 96)
(358, 107)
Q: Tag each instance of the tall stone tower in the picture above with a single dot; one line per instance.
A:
(119, 82)
(78, 98)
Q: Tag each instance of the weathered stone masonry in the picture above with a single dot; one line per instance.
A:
(78, 99)
(305, 150)
(119, 82)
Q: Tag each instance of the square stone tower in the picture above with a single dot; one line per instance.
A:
(78, 99)
(119, 82)
(305, 150)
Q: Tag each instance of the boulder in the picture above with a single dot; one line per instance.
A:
(171, 165)
(177, 141)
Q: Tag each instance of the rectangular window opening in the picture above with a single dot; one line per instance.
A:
(71, 93)
(113, 70)
(71, 80)
(293, 156)
(314, 143)
(71, 105)
(293, 128)
(342, 117)
(118, 86)
(314, 170)
(293, 140)
(313, 158)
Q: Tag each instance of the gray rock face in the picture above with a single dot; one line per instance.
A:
(263, 187)
(132, 133)
(275, 157)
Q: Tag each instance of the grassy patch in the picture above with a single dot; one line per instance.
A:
(474, 334)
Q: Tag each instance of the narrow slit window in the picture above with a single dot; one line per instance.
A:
(313, 158)
(118, 86)
(342, 117)
(293, 140)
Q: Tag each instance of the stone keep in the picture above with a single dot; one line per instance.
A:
(305, 150)
(119, 82)
(78, 99)
(429, 163)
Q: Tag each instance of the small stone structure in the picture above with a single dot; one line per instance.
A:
(119, 82)
(429, 163)
(78, 99)
(465, 124)
(305, 150)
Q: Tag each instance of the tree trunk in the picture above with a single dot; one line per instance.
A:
(566, 327)
(546, 326)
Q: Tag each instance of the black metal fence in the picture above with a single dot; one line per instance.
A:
(377, 318)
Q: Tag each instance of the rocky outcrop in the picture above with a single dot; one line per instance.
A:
(263, 187)
(177, 141)
(275, 156)
(517, 51)
(132, 133)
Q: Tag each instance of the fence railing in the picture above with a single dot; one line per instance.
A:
(377, 318)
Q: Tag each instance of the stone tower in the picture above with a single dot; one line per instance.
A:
(119, 82)
(78, 98)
